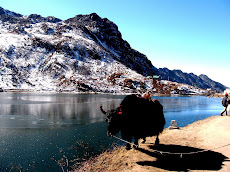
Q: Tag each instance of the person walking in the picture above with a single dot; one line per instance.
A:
(225, 104)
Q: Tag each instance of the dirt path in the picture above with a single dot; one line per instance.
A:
(201, 146)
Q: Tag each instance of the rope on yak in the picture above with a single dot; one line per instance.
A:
(190, 153)
(124, 140)
(171, 153)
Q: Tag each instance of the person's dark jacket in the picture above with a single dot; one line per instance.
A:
(225, 101)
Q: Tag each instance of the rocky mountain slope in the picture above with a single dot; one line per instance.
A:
(83, 53)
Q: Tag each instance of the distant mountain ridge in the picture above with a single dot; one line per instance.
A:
(48, 53)
(201, 81)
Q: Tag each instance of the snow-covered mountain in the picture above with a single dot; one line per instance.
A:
(83, 53)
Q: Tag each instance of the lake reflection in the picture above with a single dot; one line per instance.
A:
(36, 129)
(31, 110)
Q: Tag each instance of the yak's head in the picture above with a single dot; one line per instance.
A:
(114, 120)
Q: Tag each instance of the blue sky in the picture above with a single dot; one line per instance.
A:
(190, 35)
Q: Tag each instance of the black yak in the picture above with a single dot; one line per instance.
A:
(136, 117)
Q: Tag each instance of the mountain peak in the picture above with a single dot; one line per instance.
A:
(36, 18)
(94, 16)
(10, 13)
(15, 18)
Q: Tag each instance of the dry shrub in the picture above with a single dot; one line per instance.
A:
(112, 78)
(98, 163)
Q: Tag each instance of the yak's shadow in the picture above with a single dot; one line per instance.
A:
(206, 160)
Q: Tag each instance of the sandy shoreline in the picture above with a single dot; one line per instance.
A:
(201, 146)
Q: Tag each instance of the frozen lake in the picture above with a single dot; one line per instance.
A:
(37, 129)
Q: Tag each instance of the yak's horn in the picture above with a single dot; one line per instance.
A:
(104, 112)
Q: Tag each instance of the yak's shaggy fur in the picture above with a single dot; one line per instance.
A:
(136, 117)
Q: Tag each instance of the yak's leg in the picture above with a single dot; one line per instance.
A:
(125, 136)
(144, 140)
(157, 141)
(135, 146)
(128, 146)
